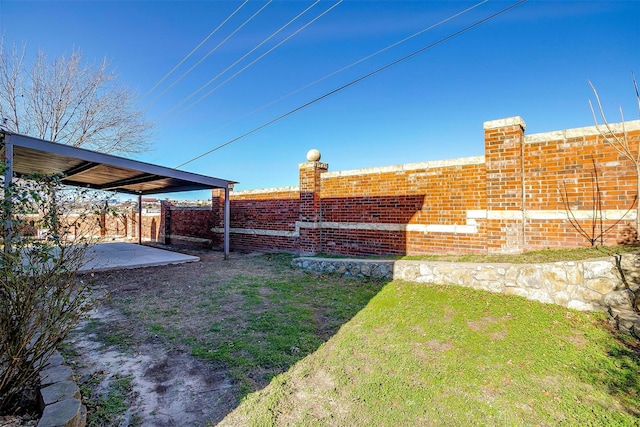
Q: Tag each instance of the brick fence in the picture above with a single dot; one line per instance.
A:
(507, 201)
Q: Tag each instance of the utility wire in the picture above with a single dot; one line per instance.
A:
(212, 51)
(352, 65)
(353, 82)
(194, 50)
(237, 61)
(249, 65)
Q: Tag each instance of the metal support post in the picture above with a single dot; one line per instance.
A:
(139, 219)
(227, 216)
(8, 178)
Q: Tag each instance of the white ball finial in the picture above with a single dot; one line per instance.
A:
(313, 155)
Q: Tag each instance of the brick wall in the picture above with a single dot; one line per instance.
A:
(507, 201)
(415, 208)
(261, 220)
(559, 161)
(191, 226)
(123, 225)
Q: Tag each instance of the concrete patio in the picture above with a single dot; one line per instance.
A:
(118, 255)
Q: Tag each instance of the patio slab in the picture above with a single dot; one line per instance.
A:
(118, 255)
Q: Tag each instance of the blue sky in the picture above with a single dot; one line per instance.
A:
(533, 61)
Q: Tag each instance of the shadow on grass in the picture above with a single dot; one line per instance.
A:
(250, 317)
(466, 355)
(622, 375)
(267, 323)
(254, 318)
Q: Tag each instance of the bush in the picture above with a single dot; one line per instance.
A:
(40, 297)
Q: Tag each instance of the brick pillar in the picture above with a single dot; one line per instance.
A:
(131, 221)
(103, 223)
(164, 230)
(217, 211)
(503, 140)
(310, 214)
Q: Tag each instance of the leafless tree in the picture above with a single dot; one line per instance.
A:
(67, 101)
(593, 229)
(622, 142)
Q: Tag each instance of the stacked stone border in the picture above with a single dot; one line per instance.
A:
(60, 399)
(370, 269)
(588, 285)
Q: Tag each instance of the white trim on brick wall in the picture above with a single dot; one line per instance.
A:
(471, 226)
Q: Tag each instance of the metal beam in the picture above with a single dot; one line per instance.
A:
(82, 167)
(175, 188)
(92, 186)
(8, 162)
(138, 179)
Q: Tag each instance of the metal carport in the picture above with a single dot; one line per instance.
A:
(24, 155)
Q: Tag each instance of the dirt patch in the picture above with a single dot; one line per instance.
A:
(448, 314)
(482, 324)
(169, 386)
(500, 335)
(193, 339)
(485, 323)
(578, 339)
(438, 346)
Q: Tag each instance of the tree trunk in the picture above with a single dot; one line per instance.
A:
(638, 201)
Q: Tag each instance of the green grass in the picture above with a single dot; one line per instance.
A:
(442, 355)
(255, 327)
(106, 404)
(306, 349)
(539, 256)
(275, 323)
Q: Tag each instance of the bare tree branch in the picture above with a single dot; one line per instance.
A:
(635, 86)
(67, 101)
(598, 232)
(10, 82)
(621, 142)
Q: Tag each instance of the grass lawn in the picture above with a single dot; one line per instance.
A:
(268, 323)
(306, 349)
(538, 256)
(253, 317)
(441, 355)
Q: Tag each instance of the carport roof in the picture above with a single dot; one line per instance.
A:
(90, 169)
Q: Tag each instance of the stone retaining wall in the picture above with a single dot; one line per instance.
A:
(60, 398)
(581, 285)
(375, 269)
(587, 285)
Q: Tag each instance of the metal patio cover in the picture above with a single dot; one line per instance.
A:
(90, 169)
(25, 155)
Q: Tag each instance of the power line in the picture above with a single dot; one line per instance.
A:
(353, 64)
(194, 50)
(212, 51)
(252, 62)
(237, 61)
(353, 82)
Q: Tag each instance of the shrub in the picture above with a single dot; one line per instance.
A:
(40, 297)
